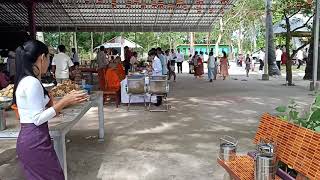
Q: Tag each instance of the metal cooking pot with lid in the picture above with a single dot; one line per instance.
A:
(228, 148)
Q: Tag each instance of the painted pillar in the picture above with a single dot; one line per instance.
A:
(31, 7)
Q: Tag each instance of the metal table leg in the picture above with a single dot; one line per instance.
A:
(60, 148)
(101, 117)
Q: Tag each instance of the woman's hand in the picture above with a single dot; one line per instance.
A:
(74, 97)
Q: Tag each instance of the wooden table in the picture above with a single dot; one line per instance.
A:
(62, 124)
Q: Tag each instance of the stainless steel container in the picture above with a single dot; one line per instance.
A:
(159, 77)
(265, 161)
(2, 120)
(228, 148)
(158, 87)
(265, 168)
(136, 85)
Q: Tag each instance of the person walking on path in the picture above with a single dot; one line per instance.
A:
(180, 59)
(211, 67)
(61, 65)
(300, 58)
(278, 57)
(248, 64)
(224, 66)
(170, 65)
(35, 150)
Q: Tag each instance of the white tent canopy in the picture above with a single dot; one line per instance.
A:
(118, 42)
(295, 22)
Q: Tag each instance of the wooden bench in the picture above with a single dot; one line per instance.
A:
(297, 147)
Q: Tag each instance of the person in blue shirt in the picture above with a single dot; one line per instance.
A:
(163, 61)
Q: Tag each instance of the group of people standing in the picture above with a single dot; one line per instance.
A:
(166, 61)
(213, 65)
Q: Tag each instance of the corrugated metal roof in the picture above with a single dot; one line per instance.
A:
(101, 15)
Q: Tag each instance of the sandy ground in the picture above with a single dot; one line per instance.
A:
(180, 144)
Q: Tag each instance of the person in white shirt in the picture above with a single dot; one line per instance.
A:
(278, 57)
(61, 64)
(180, 59)
(35, 149)
(300, 58)
(102, 58)
(75, 57)
(156, 69)
(211, 67)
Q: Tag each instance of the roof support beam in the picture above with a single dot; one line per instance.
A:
(31, 7)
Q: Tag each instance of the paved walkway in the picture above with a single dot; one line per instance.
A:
(180, 144)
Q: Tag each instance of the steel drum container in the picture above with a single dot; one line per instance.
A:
(158, 87)
(228, 148)
(159, 77)
(136, 84)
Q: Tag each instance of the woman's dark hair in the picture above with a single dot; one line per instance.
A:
(26, 57)
(224, 54)
(211, 54)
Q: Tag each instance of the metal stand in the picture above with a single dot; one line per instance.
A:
(144, 100)
(165, 100)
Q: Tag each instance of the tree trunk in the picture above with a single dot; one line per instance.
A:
(254, 38)
(309, 67)
(102, 37)
(272, 66)
(219, 38)
(289, 59)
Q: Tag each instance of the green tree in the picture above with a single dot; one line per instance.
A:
(286, 9)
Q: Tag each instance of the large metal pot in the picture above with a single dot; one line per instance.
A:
(136, 85)
(228, 148)
(158, 87)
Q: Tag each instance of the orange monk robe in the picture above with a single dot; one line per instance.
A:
(121, 72)
(112, 80)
